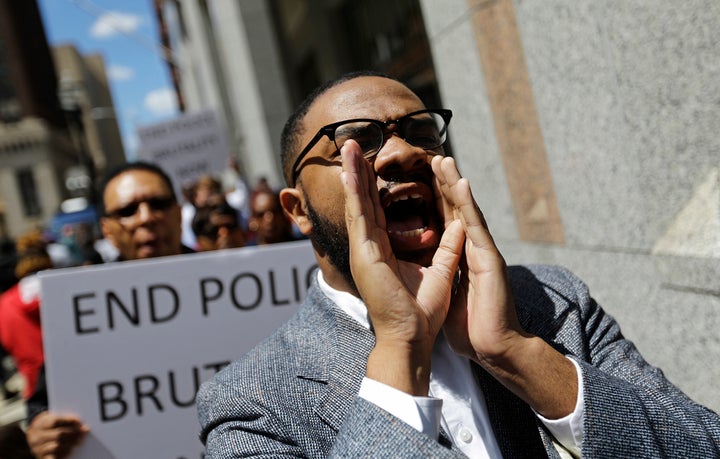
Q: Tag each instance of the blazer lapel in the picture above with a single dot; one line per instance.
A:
(337, 356)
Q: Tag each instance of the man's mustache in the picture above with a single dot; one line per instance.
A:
(416, 176)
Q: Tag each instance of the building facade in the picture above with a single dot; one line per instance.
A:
(84, 78)
(58, 130)
(34, 148)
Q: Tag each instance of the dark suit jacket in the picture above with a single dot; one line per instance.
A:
(295, 394)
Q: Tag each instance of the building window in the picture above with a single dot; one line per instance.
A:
(28, 192)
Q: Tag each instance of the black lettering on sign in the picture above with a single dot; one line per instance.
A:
(110, 394)
(146, 386)
(154, 317)
(148, 393)
(206, 286)
(258, 288)
(273, 295)
(162, 305)
(296, 284)
(190, 400)
(78, 313)
(248, 290)
(133, 315)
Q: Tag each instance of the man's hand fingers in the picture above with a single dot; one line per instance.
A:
(456, 191)
(446, 258)
(54, 436)
(355, 182)
(364, 216)
(444, 207)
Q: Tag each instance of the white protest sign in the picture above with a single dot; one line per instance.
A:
(186, 147)
(128, 344)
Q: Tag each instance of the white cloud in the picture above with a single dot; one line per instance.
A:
(161, 102)
(114, 22)
(120, 73)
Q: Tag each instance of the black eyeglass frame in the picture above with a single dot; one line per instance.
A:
(156, 204)
(330, 130)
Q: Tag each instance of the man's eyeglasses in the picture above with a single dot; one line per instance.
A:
(155, 204)
(426, 129)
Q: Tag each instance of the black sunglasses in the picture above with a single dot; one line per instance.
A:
(426, 129)
(155, 204)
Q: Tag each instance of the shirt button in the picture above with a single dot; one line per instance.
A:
(465, 435)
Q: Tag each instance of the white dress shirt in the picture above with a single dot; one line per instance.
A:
(454, 401)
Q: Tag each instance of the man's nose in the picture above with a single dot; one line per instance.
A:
(145, 213)
(223, 232)
(397, 157)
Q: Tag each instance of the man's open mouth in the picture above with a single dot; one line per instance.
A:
(148, 245)
(406, 215)
(410, 216)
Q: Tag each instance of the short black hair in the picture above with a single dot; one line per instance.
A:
(135, 166)
(201, 223)
(293, 127)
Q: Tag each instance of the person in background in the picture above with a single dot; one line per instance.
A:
(141, 218)
(8, 261)
(236, 190)
(87, 253)
(187, 212)
(20, 331)
(268, 223)
(218, 227)
(90, 256)
(208, 192)
(415, 338)
(204, 192)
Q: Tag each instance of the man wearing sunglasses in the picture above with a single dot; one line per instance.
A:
(415, 339)
(142, 215)
(142, 220)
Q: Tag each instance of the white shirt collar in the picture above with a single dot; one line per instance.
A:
(349, 303)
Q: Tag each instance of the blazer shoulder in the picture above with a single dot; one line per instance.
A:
(556, 305)
(547, 281)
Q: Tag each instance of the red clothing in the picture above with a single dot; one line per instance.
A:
(20, 329)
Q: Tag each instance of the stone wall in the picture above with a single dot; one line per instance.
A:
(611, 110)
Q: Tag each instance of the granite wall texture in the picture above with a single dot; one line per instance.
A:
(627, 95)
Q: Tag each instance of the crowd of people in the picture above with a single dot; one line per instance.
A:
(215, 219)
(141, 218)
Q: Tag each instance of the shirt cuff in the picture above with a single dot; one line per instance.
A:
(568, 430)
(421, 413)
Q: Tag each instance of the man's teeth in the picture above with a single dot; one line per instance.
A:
(408, 233)
(404, 197)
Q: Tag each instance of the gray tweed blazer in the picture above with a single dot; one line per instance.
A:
(295, 394)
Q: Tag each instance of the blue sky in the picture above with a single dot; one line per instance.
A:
(125, 34)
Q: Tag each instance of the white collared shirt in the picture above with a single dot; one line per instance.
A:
(454, 401)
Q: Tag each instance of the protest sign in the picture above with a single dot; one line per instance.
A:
(186, 147)
(128, 344)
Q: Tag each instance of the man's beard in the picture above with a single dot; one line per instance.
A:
(332, 239)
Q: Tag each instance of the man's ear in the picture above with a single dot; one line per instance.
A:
(292, 201)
